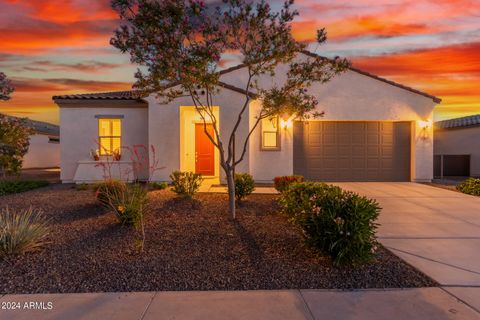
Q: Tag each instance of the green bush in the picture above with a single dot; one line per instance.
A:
(17, 186)
(157, 185)
(336, 222)
(186, 184)
(470, 186)
(104, 190)
(22, 231)
(282, 183)
(244, 185)
(129, 204)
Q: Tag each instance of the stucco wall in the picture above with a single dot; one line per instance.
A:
(41, 153)
(79, 131)
(460, 141)
(355, 97)
(164, 129)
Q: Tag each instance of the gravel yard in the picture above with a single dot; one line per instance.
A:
(188, 247)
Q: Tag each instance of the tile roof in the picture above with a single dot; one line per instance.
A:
(115, 95)
(459, 122)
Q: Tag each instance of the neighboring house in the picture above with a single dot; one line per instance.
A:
(44, 149)
(457, 147)
(373, 130)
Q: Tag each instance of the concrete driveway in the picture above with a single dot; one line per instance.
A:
(433, 229)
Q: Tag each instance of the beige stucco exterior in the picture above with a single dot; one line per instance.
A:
(167, 126)
(460, 141)
(42, 153)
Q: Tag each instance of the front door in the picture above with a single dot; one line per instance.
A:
(204, 150)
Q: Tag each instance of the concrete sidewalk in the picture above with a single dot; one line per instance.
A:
(408, 304)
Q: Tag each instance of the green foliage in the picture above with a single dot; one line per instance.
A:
(17, 186)
(22, 231)
(244, 185)
(186, 184)
(157, 185)
(282, 183)
(104, 190)
(82, 186)
(336, 222)
(470, 186)
(14, 142)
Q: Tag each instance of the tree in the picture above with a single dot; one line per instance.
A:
(6, 87)
(14, 141)
(179, 44)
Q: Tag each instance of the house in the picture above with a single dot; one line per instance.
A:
(457, 147)
(44, 149)
(373, 130)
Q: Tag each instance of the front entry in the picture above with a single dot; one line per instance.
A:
(204, 150)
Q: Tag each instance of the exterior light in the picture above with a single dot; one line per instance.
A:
(286, 124)
(425, 124)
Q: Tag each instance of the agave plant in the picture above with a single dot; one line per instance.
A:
(22, 231)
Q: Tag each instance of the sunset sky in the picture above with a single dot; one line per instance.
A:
(62, 46)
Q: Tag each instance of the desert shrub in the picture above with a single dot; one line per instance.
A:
(470, 186)
(17, 186)
(335, 222)
(22, 231)
(186, 184)
(128, 204)
(282, 183)
(157, 185)
(14, 142)
(244, 185)
(104, 190)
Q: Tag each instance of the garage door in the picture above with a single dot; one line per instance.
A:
(352, 151)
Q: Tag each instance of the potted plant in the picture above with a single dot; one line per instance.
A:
(94, 154)
(117, 156)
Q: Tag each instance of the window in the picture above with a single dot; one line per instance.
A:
(270, 134)
(109, 136)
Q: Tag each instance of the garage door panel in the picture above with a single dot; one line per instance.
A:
(352, 151)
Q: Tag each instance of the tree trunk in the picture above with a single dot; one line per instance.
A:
(231, 192)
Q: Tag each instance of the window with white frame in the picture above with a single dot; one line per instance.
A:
(270, 134)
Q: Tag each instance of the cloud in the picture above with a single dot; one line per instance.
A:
(86, 67)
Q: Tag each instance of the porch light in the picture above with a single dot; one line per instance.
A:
(286, 124)
(425, 124)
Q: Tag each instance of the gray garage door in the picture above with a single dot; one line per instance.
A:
(352, 151)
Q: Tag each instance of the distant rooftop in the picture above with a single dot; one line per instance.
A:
(40, 127)
(116, 95)
(459, 122)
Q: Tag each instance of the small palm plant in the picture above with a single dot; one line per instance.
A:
(22, 231)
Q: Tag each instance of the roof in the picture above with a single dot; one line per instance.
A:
(133, 95)
(114, 95)
(40, 127)
(463, 122)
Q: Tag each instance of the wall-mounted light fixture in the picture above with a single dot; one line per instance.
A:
(286, 121)
(425, 124)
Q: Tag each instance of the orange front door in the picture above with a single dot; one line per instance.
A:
(204, 150)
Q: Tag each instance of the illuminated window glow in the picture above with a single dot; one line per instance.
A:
(109, 136)
(270, 134)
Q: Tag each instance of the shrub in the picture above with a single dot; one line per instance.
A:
(244, 185)
(128, 204)
(8, 187)
(470, 186)
(21, 231)
(186, 184)
(104, 190)
(336, 222)
(282, 183)
(157, 185)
